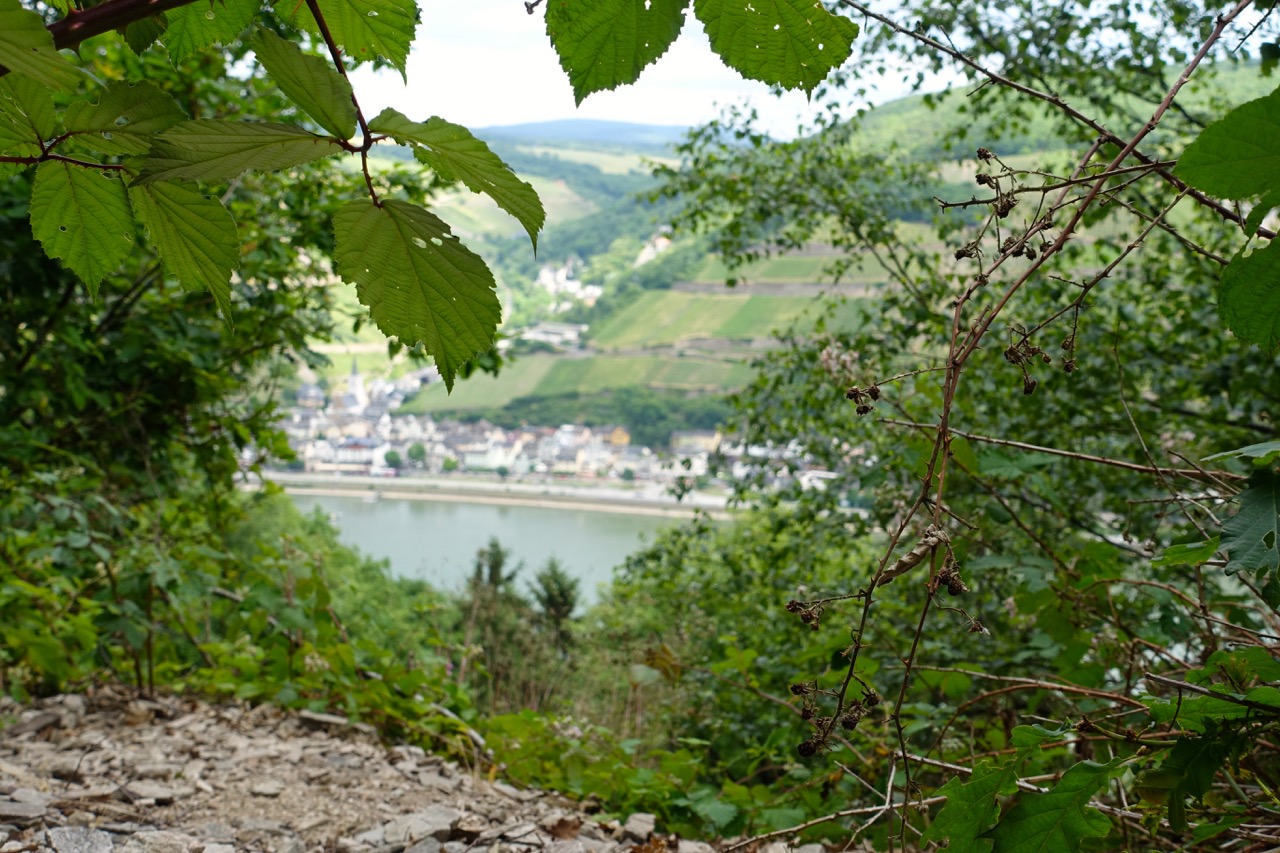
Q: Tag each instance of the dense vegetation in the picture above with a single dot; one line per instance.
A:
(1052, 628)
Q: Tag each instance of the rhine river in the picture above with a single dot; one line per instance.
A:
(437, 541)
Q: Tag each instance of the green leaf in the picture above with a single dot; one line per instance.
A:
(1250, 536)
(125, 118)
(790, 43)
(455, 154)
(1187, 553)
(420, 283)
(195, 236)
(205, 23)
(1253, 221)
(309, 81)
(82, 218)
(1056, 821)
(971, 808)
(1188, 771)
(604, 44)
(140, 35)
(26, 47)
(1236, 156)
(363, 29)
(26, 116)
(214, 150)
(1263, 453)
(1269, 51)
(1249, 296)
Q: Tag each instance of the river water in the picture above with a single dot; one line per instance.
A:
(437, 540)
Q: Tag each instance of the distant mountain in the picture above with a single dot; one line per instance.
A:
(589, 131)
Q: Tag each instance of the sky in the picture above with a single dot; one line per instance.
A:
(482, 63)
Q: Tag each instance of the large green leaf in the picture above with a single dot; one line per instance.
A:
(1249, 296)
(1260, 454)
(140, 35)
(363, 29)
(1236, 156)
(27, 117)
(790, 43)
(81, 217)
(125, 118)
(195, 236)
(971, 808)
(1056, 821)
(603, 44)
(1250, 536)
(311, 82)
(420, 283)
(26, 47)
(455, 154)
(215, 150)
(205, 23)
(1188, 771)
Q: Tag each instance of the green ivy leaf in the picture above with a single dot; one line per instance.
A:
(309, 81)
(125, 118)
(455, 154)
(604, 44)
(195, 236)
(971, 808)
(1059, 820)
(1249, 296)
(26, 116)
(790, 43)
(215, 150)
(205, 23)
(1236, 156)
(82, 218)
(26, 47)
(1250, 536)
(420, 283)
(363, 29)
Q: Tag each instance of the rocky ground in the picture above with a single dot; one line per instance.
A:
(112, 774)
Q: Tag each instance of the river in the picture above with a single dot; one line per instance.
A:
(437, 541)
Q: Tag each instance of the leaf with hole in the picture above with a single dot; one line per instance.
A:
(312, 83)
(214, 150)
(26, 47)
(453, 152)
(202, 24)
(195, 236)
(124, 120)
(27, 117)
(81, 217)
(790, 43)
(1249, 537)
(418, 280)
(604, 44)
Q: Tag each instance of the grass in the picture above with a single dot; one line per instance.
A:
(546, 375)
(669, 318)
(609, 162)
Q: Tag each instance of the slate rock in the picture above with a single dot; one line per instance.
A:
(21, 811)
(159, 841)
(80, 839)
(687, 846)
(436, 822)
(426, 845)
(639, 826)
(269, 788)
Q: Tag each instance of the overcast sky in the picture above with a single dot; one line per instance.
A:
(487, 62)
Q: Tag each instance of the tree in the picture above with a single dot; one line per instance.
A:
(393, 459)
(417, 454)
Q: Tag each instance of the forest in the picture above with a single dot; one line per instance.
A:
(1052, 622)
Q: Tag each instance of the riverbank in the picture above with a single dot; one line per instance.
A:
(643, 500)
